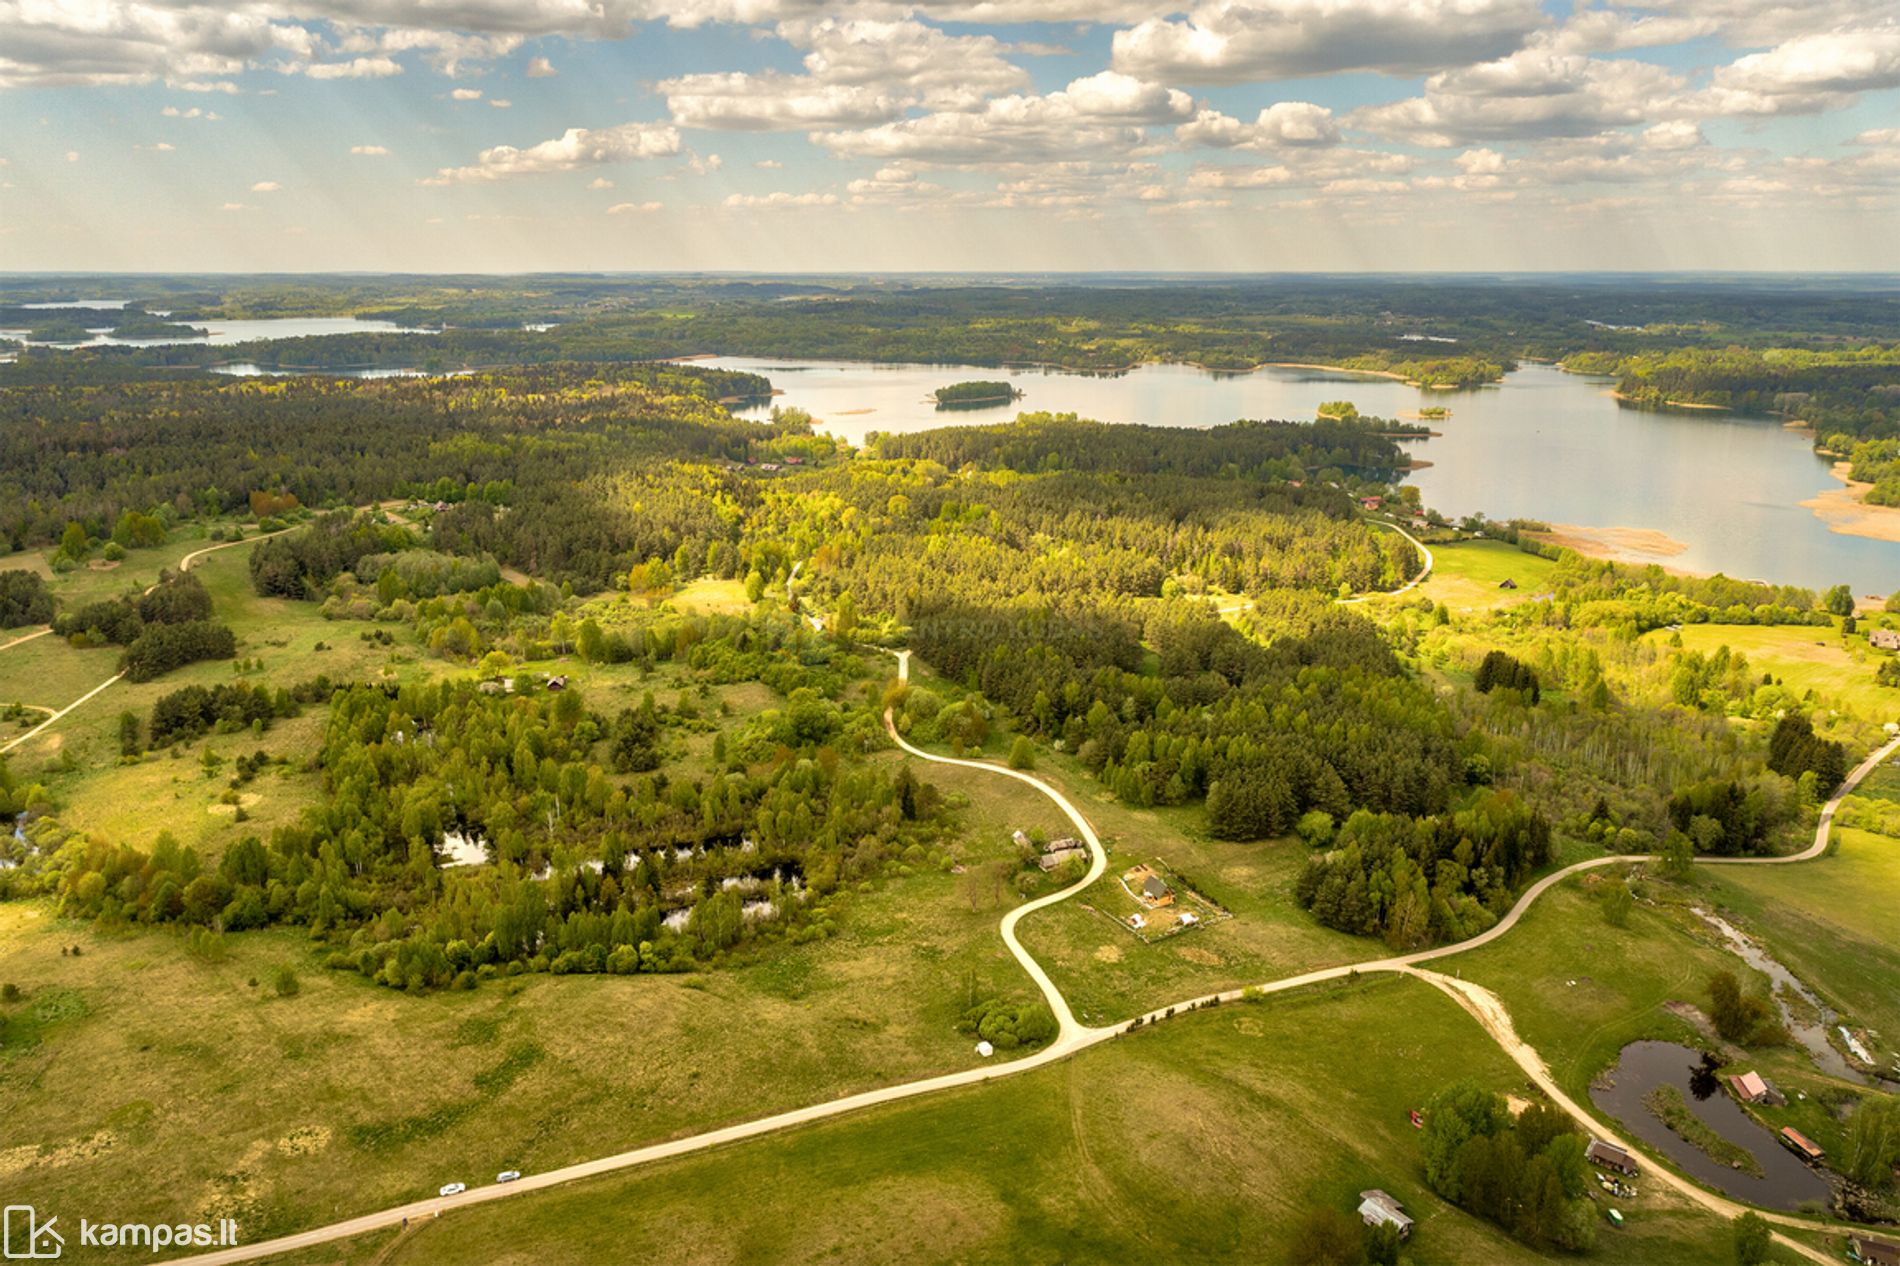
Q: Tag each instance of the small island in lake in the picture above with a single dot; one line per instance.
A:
(79, 326)
(139, 324)
(967, 395)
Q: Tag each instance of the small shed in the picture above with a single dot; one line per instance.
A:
(1507, 583)
(1885, 639)
(985, 1049)
(1376, 1208)
(1609, 1156)
(1801, 1144)
(1865, 1248)
(1749, 1087)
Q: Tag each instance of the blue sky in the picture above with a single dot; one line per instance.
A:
(786, 135)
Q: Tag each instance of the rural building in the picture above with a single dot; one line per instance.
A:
(1803, 1146)
(1609, 1156)
(1376, 1208)
(1865, 1248)
(1148, 888)
(1058, 856)
(1507, 583)
(1885, 639)
(557, 682)
(1749, 1087)
(1372, 503)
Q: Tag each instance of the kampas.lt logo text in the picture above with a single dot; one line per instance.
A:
(30, 1237)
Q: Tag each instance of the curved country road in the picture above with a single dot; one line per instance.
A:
(1424, 573)
(1069, 1028)
(184, 565)
(1073, 1036)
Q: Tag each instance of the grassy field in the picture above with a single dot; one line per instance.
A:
(1466, 575)
(1831, 922)
(1200, 1140)
(50, 673)
(135, 1059)
(710, 595)
(138, 1059)
(1839, 670)
(1580, 990)
(101, 579)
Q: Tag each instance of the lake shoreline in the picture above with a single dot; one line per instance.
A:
(1641, 546)
(1547, 445)
(1845, 510)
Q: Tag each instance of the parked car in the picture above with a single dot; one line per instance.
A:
(508, 1175)
(453, 1189)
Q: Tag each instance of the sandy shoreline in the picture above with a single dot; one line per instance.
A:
(1618, 544)
(1844, 512)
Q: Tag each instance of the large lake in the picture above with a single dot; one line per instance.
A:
(1543, 444)
(217, 332)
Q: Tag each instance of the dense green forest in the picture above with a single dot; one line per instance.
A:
(1845, 394)
(1058, 576)
(1477, 328)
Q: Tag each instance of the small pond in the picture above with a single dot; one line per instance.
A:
(1786, 1182)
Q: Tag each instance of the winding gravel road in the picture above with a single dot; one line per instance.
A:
(1073, 1036)
(184, 565)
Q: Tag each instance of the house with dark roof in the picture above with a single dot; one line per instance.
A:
(1609, 1156)
(1865, 1248)
(1147, 887)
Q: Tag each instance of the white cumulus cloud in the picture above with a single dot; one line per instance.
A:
(575, 148)
(1232, 41)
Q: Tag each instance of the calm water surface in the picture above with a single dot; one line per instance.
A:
(1786, 1180)
(219, 333)
(1543, 444)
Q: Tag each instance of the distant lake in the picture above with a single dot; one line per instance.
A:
(220, 333)
(1543, 444)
